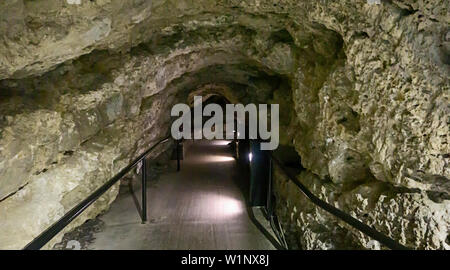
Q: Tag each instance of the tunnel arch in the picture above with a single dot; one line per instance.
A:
(363, 94)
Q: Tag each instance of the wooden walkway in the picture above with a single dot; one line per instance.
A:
(201, 207)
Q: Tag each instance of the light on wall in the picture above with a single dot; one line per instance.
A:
(250, 156)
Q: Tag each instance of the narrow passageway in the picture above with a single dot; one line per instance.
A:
(201, 207)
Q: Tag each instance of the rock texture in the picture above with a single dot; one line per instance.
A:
(363, 88)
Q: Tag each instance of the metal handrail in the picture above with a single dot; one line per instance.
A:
(353, 222)
(65, 220)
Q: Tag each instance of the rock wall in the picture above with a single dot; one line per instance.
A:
(363, 86)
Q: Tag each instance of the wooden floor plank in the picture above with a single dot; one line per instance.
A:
(199, 208)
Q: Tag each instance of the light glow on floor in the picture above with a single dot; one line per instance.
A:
(220, 142)
(221, 207)
(218, 158)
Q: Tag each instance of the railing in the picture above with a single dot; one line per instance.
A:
(353, 222)
(57, 227)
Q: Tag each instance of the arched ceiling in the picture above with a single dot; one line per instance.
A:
(42, 35)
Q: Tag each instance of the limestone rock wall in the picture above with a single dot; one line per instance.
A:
(87, 85)
(58, 153)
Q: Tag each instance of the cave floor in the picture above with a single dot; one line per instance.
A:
(201, 207)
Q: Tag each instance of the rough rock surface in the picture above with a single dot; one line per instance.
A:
(363, 86)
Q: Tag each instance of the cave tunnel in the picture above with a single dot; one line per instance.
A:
(87, 89)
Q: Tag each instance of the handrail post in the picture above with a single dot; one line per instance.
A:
(269, 191)
(178, 156)
(144, 190)
(65, 220)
